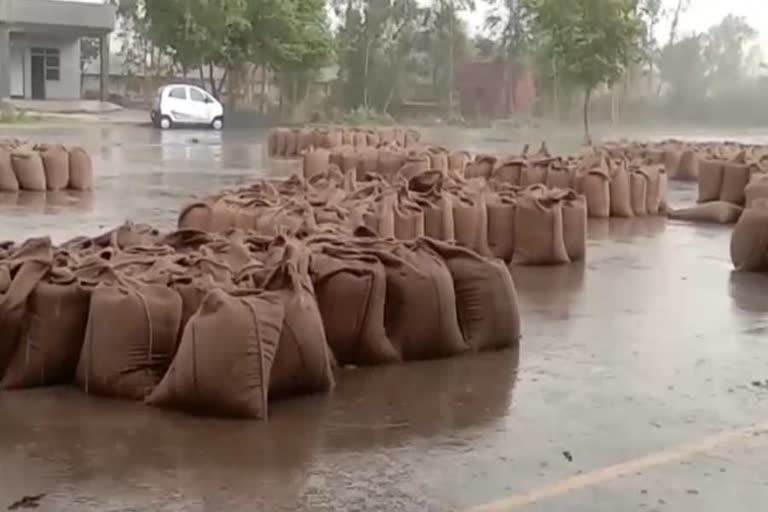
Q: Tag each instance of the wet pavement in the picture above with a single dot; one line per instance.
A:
(637, 382)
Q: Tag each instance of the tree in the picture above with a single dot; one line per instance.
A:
(593, 41)
(89, 51)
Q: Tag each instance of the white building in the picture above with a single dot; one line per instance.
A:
(40, 46)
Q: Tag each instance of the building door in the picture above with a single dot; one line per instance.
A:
(38, 77)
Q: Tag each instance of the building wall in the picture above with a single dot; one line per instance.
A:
(68, 85)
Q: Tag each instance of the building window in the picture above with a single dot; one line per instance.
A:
(52, 62)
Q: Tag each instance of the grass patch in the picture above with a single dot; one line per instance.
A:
(15, 116)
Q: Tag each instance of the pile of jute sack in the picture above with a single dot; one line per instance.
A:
(535, 225)
(618, 187)
(39, 167)
(294, 142)
(685, 161)
(726, 186)
(220, 324)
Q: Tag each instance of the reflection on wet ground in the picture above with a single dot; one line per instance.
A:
(653, 343)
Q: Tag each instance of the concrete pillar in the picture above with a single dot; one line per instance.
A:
(104, 56)
(5, 62)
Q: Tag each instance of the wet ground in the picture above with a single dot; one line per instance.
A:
(641, 383)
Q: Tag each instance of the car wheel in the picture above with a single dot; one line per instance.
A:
(217, 124)
(165, 123)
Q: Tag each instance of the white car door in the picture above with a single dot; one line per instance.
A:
(178, 105)
(200, 105)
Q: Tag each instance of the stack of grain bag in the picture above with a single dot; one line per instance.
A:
(43, 167)
(220, 324)
(294, 142)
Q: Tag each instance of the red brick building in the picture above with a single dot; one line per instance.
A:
(493, 90)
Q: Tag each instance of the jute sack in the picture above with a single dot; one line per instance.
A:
(80, 169)
(409, 218)
(29, 170)
(130, 338)
(303, 360)
(457, 161)
(367, 163)
(53, 333)
(735, 180)
(360, 140)
(559, 176)
(688, 169)
(351, 290)
(224, 363)
(390, 162)
(415, 164)
(56, 167)
(197, 215)
(639, 193)
(749, 241)
(710, 179)
(20, 273)
(653, 199)
(486, 299)
(427, 191)
(717, 212)
(305, 140)
(438, 160)
(672, 158)
(373, 138)
(291, 143)
(501, 225)
(533, 175)
(470, 217)
(757, 189)
(272, 143)
(281, 141)
(420, 311)
(539, 232)
(596, 187)
(8, 181)
(510, 171)
(621, 191)
(482, 167)
(574, 224)
(316, 162)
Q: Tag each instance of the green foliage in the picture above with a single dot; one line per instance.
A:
(15, 116)
(593, 40)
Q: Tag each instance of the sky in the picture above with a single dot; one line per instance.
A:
(701, 15)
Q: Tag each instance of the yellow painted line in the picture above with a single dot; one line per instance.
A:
(623, 469)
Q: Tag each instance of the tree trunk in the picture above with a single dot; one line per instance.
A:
(451, 64)
(212, 81)
(223, 80)
(365, 72)
(587, 99)
(263, 88)
(202, 75)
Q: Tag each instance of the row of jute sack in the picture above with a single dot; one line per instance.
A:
(221, 324)
(294, 142)
(42, 167)
(535, 225)
(725, 189)
(614, 187)
(685, 161)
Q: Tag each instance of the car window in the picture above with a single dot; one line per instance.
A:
(180, 93)
(197, 95)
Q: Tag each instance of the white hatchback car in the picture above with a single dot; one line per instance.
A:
(186, 105)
